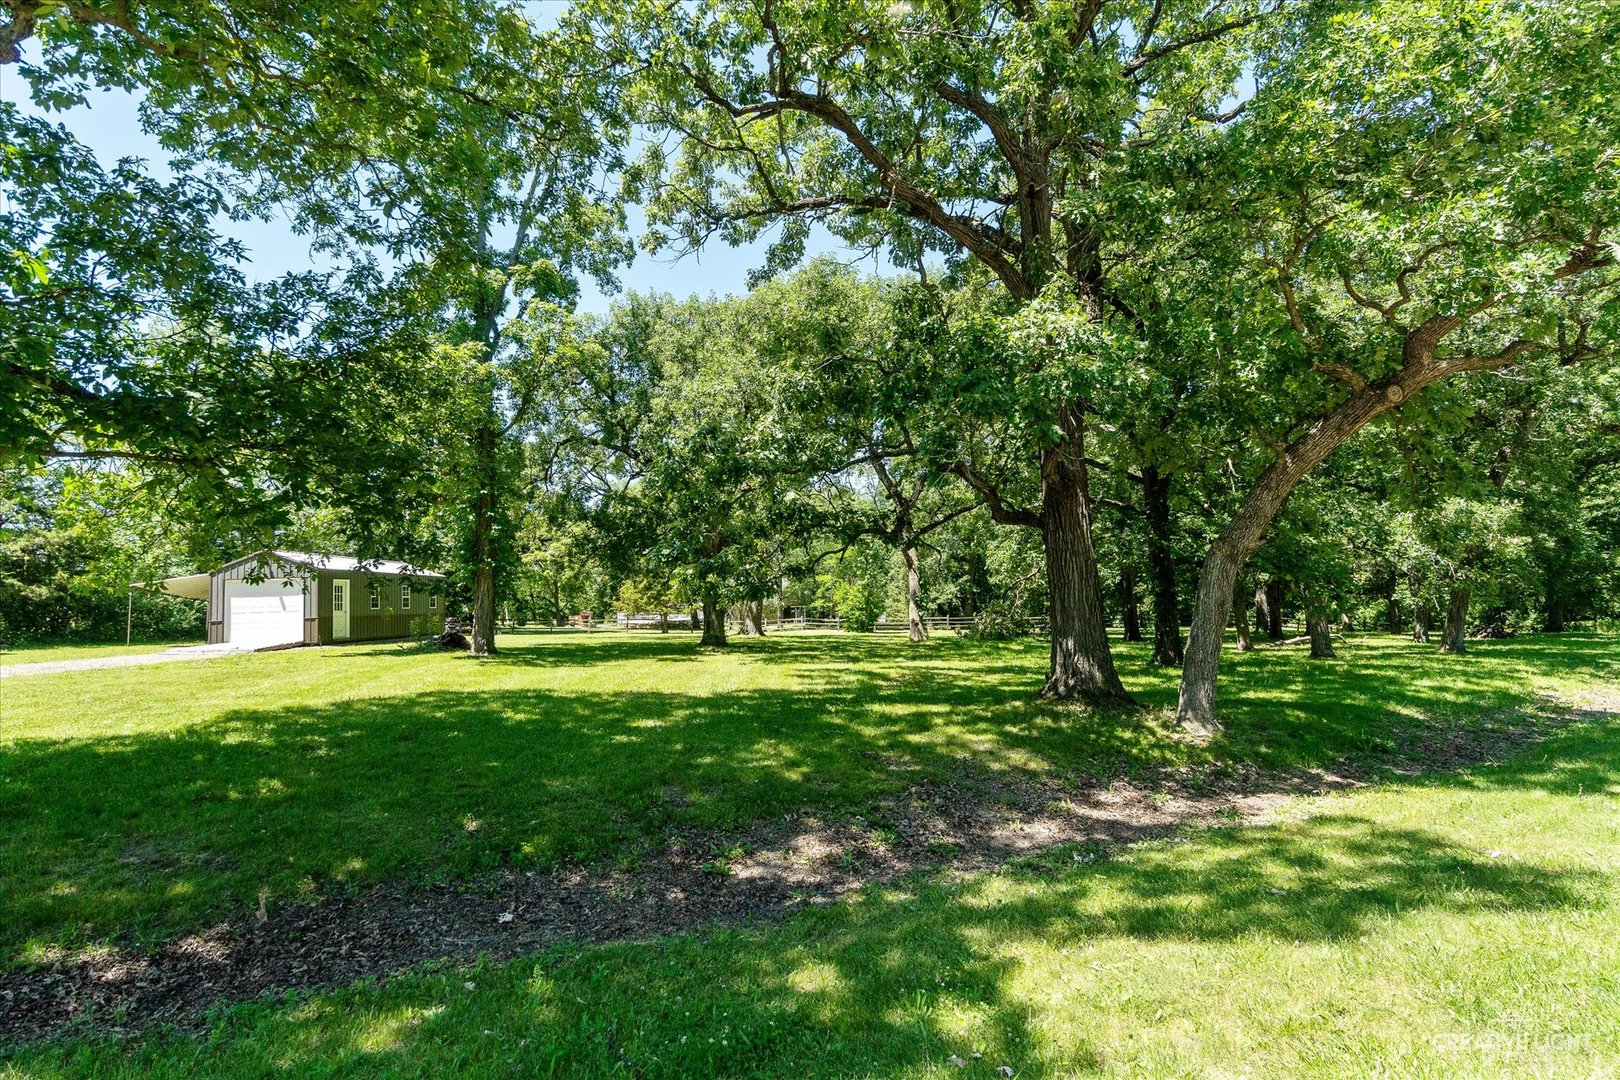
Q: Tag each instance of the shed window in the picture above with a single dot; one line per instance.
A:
(376, 599)
(404, 596)
(433, 601)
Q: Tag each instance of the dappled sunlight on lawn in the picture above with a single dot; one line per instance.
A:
(1382, 928)
(166, 801)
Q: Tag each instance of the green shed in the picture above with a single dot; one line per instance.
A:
(278, 598)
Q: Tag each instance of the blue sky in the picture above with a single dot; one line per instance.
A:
(110, 125)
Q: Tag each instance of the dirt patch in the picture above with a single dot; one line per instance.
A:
(696, 880)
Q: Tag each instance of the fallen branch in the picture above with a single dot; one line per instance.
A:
(1303, 639)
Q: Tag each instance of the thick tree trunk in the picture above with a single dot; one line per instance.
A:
(1455, 637)
(1268, 613)
(1129, 603)
(1321, 631)
(714, 622)
(1167, 650)
(1081, 665)
(914, 619)
(753, 618)
(1420, 622)
(483, 628)
(1392, 616)
(1240, 606)
(1216, 581)
(483, 544)
(1555, 611)
(663, 622)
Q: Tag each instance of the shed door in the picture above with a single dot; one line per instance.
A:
(340, 608)
(264, 613)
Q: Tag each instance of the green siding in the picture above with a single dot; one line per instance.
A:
(390, 620)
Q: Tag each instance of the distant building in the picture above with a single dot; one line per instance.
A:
(272, 598)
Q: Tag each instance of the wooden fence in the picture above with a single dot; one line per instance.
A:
(1035, 624)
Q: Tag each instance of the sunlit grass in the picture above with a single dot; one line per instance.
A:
(143, 802)
(1464, 924)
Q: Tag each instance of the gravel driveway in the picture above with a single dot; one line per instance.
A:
(167, 656)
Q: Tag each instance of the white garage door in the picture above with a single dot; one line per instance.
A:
(264, 613)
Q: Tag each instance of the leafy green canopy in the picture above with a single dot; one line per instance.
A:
(406, 125)
(676, 434)
(449, 137)
(131, 332)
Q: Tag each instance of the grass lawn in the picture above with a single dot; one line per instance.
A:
(1462, 923)
(39, 654)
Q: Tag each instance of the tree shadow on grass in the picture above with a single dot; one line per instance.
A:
(898, 980)
(1383, 694)
(558, 649)
(1280, 708)
(154, 834)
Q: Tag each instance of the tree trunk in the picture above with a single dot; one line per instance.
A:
(919, 629)
(1268, 614)
(1555, 611)
(483, 544)
(663, 622)
(1366, 401)
(1455, 637)
(1240, 606)
(1196, 711)
(714, 622)
(1420, 622)
(1167, 650)
(1321, 631)
(1129, 604)
(1081, 667)
(1392, 615)
(753, 618)
(975, 578)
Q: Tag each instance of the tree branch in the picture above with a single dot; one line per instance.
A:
(1143, 59)
(999, 511)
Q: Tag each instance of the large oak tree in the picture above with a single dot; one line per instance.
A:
(994, 133)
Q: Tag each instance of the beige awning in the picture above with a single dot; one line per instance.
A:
(191, 586)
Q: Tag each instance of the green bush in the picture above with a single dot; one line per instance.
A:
(48, 593)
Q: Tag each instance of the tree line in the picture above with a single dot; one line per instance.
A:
(1315, 297)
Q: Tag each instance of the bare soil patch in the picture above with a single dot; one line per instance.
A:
(695, 880)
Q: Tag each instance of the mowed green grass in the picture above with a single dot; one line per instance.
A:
(1461, 924)
(144, 802)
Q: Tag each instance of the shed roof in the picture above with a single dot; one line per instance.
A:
(195, 586)
(347, 562)
(190, 586)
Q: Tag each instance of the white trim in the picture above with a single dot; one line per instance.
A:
(340, 607)
(404, 596)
